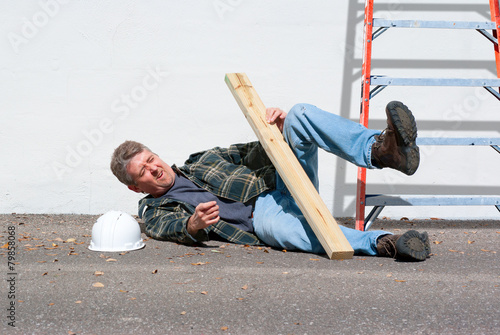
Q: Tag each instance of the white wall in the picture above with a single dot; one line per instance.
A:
(77, 78)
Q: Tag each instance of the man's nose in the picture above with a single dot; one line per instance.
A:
(152, 168)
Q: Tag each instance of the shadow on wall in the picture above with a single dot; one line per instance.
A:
(352, 74)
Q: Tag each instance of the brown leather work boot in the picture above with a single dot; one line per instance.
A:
(395, 147)
(411, 246)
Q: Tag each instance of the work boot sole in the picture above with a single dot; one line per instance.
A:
(406, 130)
(425, 239)
(410, 247)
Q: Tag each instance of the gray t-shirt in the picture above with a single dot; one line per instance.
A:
(236, 213)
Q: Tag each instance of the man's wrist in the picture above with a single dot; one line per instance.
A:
(189, 227)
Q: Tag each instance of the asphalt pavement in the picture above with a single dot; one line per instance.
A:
(53, 284)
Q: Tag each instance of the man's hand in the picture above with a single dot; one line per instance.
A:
(205, 214)
(276, 116)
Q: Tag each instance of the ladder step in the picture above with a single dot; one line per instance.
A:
(433, 24)
(386, 81)
(457, 141)
(433, 200)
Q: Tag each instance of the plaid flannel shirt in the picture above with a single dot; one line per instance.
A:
(240, 173)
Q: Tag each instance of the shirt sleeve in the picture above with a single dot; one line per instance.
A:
(250, 154)
(169, 223)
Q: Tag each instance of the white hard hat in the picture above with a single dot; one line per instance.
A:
(116, 231)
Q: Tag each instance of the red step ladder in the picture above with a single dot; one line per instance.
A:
(381, 82)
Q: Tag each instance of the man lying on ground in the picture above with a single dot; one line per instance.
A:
(235, 194)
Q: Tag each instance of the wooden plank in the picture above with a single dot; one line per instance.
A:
(310, 203)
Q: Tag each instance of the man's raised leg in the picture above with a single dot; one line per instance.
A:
(277, 219)
(308, 127)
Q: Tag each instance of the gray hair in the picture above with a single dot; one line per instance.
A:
(122, 155)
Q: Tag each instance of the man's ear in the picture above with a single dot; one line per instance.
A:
(134, 188)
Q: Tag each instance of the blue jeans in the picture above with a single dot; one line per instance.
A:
(278, 220)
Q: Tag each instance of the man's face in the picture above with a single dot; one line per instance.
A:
(150, 173)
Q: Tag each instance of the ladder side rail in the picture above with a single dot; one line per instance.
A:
(365, 106)
(495, 17)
